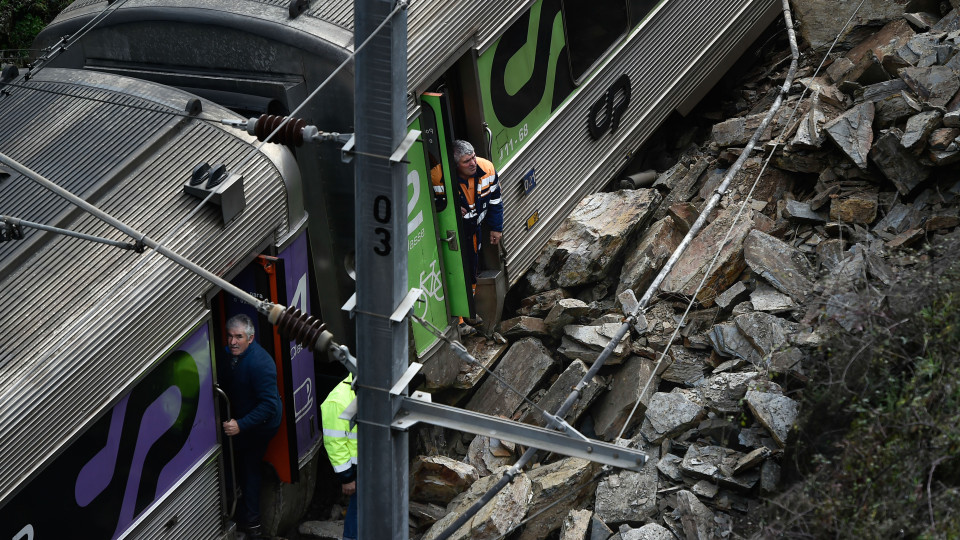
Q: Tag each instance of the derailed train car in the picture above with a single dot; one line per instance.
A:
(559, 94)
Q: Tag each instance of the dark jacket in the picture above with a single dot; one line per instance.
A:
(487, 207)
(251, 383)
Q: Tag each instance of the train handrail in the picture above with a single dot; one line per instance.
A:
(233, 469)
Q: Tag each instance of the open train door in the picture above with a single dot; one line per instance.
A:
(488, 297)
(283, 279)
(437, 141)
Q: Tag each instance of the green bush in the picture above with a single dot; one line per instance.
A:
(21, 21)
(877, 456)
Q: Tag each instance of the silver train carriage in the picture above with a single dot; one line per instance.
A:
(110, 415)
(559, 94)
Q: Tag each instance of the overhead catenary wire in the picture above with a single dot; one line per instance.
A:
(631, 318)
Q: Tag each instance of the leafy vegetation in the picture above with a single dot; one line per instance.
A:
(879, 451)
(21, 21)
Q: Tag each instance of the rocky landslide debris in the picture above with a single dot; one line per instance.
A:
(863, 173)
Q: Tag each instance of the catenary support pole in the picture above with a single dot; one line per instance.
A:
(381, 262)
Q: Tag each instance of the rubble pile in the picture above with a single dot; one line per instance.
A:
(864, 165)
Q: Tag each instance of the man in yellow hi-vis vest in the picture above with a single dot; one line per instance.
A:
(341, 444)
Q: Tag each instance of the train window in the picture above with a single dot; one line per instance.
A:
(592, 27)
(639, 10)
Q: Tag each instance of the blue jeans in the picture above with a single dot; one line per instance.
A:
(350, 531)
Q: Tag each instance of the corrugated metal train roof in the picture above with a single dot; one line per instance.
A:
(82, 320)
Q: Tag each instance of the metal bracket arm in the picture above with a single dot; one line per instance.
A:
(418, 408)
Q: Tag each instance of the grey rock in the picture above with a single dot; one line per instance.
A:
(628, 496)
(524, 366)
(766, 298)
(727, 340)
(438, 479)
(686, 367)
(769, 477)
(934, 85)
(551, 500)
(597, 337)
(722, 392)
(751, 460)
(563, 313)
(776, 412)
(581, 250)
(559, 391)
(496, 518)
(522, 326)
(767, 333)
(852, 132)
(716, 463)
(687, 274)
(697, 520)
(488, 454)
(669, 466)
(918, 128)
(781, 265)
(576, 526)
(801, 212)
(650, 531)
(322, 530)
(613, 408)
(486, 352)
(645, 258)
(820, 25)
(669, 414)
(901, 168)
(538, 305)
(578, 351)
(736, 293)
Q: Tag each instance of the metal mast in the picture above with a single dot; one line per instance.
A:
(381, 262)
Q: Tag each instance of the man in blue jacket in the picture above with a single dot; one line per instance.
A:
(251, 384)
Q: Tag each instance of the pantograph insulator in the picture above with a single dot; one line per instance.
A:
(291, 134)
(304, 329)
